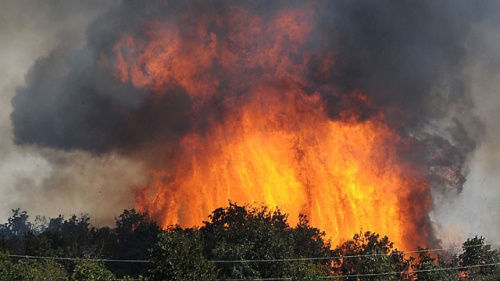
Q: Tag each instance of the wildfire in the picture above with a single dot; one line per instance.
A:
(269, 138)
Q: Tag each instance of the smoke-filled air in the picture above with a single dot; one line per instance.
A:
(360, 115)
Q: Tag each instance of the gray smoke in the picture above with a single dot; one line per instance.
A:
(476, 210)
(49, 181)
(407, 56)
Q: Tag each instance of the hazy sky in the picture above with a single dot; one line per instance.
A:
(49, 182)
(477, 209)
(45, 181)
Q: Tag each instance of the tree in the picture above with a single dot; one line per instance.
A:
(376, 255)
(308, 241)
(17, 224)
(250, 233)
(236, 234)
(6, 267)
(246, 233)
(14, 230)
(91, 271)
(427, 268)
(134, 234)
(178, 255)
(33, 270)
(476, 252)
(30, 270)
(307, 271)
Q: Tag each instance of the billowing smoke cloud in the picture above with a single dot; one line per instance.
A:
(51, 181)
(475, 210)
(406, 56)
(409, 58)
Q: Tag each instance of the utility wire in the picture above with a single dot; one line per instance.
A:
(73, 259)
(252, 261)
(376, 274)
(256, 260)
(347, 256)
(296, 259)
(414, 271)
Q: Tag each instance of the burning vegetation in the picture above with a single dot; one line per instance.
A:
(327, 109)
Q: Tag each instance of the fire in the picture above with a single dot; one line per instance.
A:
(270, 138)
(344, 175)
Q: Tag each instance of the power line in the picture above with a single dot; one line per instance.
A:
(377, 274)
(73, 259)
(414, 271)
(263, 279)
(347, 256)
(256, 260)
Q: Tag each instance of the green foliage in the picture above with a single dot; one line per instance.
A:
(17, 224)
(382, 257)
(308, 241)
(33, 270)
(133, 235)
(307, 271)
(237, 233)
(493, 275)
(178, 256)
(30, 270)
(6, 267)
(427, 268)
(91, 271)
(476, 252)
(250, 233)
(138, 278)
(231, 233)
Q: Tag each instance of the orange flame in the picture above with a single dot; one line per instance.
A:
(276, 144)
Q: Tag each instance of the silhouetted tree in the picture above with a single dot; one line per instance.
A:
(476, 252)
(428, 268)
(239, 234)
(135, 233)
(30, 270)
(249, 233)
(376, 255)
(178, 255)
(91, 271)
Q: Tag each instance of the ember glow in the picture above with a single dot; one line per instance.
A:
(267, 137)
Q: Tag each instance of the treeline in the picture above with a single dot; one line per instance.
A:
(235, 243)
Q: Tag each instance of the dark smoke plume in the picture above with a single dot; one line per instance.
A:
(406, 56)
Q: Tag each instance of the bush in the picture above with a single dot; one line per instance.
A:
(178, 256)
(91, 271)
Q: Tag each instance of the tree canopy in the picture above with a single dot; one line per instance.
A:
(235, 243)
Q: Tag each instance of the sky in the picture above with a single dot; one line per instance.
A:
(476, 210)
(44, 181)
(49, 182)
